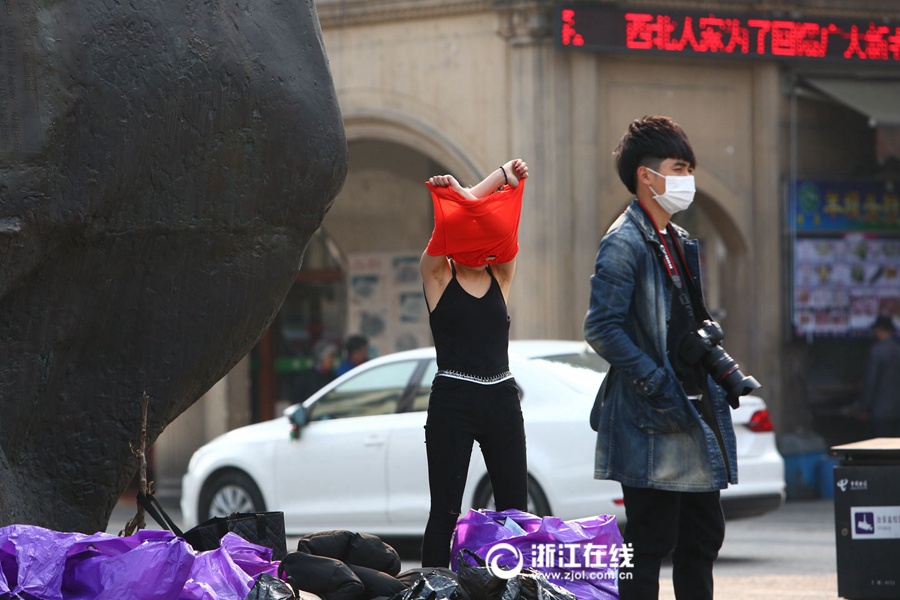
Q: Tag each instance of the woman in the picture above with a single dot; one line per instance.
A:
(473, 396)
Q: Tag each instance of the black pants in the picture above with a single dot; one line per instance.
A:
(689, 525)
(460, 413)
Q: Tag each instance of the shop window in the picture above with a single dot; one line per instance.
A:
(314, 310)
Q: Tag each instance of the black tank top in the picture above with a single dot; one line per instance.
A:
(471, 335)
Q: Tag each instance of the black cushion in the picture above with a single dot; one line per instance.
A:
(323, 576)
(362, 549)
(377, 583)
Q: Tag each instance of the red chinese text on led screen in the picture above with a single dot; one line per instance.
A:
(762, 37)
(711, 34)
(569, 35)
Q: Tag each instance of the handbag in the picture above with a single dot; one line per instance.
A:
(262, 528)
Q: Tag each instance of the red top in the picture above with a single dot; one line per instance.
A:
(476, 232)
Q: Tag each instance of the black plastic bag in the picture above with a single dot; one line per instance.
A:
(478, 581)
(434, 584)
(536, 586)
(270, 588)
(529, 584)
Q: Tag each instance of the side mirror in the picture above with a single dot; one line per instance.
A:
(298, 417)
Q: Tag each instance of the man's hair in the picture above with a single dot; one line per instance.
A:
(356, 342)
(647, 143)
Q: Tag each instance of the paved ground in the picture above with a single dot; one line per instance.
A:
(785, 555)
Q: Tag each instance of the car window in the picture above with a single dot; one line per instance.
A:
(582, 372)
(581, 360)
(423, 392)
(375, 391)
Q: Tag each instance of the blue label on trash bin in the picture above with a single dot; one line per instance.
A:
(875, 522)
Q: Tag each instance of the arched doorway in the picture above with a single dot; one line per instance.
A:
(723, 256)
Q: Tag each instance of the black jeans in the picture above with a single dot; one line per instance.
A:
(460, 413)
(689, 525)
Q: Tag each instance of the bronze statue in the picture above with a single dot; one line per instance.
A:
(162, 167)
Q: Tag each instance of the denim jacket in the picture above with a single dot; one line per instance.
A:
(649, 434)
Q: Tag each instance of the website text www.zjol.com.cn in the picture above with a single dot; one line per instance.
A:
(563, 562)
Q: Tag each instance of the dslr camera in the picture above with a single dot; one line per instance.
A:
(702, 346)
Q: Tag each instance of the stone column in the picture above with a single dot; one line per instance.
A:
(540, 132)
(766, 265)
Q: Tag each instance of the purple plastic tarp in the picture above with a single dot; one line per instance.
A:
(579, 555)
(149, 565)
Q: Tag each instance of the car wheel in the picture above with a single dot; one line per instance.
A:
(537, 500)
(227, 493)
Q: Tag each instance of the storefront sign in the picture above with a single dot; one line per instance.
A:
(823, 206)
(603, 28)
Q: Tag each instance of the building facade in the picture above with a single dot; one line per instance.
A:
(790, 106)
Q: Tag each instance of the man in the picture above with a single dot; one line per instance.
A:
(308, 382)
(880, 401)
(357, 353)
(664, 428)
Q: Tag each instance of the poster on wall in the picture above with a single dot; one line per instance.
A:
(386, 303)
(846, 251)
(842, 283)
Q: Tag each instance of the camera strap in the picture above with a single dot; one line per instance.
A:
(687, 295)
(701, 314)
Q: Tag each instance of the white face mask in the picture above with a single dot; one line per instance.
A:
(679, 192)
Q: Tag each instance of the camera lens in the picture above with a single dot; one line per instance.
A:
(727, 373)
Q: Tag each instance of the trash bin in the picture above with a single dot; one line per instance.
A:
(825, 476)
(867, 518)
(802, 452)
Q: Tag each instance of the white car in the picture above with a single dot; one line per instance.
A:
(357, 459)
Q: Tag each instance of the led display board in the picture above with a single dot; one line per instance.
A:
(702, 33)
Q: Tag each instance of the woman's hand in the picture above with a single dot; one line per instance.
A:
(451, 182)
(516, 170)
(443, 181)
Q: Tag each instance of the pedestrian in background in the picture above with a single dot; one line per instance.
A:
(467, 270)
(311, 380)
(357, 348)
(664, 428)
(881, 386)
